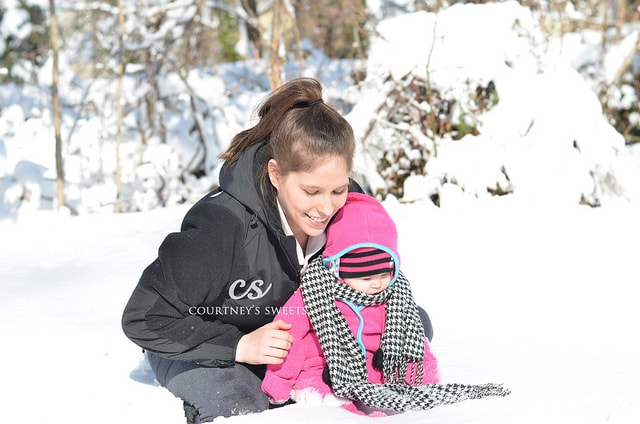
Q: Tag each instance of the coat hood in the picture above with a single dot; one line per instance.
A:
(240, 181)
(361, 223)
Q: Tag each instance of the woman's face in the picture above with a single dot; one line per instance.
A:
(310, 199)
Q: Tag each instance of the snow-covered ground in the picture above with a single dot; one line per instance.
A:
(543, 300)
(531, 289)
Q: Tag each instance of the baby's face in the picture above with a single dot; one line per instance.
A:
(372, 284)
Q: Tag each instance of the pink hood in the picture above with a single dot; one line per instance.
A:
(362, 222)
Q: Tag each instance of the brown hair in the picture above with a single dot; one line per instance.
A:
(300, 129)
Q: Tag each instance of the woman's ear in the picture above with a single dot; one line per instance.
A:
(274, 173)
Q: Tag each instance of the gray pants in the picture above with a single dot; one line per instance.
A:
(211, 392)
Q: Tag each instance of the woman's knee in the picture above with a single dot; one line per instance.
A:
(221, 392)
(214, 392)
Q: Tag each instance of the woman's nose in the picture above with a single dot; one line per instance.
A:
(326, 206)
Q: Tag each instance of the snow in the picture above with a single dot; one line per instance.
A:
(531, 289)
(540, 299)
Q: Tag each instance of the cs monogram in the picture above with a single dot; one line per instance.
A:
(255, 290)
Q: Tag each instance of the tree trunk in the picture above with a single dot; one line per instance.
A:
(275, 60)
(117, 207)
(55, 101)
(621, 12)
(253, 32)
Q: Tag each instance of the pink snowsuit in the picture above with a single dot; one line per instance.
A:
(303, 366)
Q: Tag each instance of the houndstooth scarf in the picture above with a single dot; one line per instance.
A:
(402, 345)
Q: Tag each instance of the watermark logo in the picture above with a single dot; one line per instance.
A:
(221, 311)
(240, 289)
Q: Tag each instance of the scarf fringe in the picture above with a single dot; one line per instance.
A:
(402, 398)
(399, 370)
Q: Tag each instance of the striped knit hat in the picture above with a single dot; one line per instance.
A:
(363, 262)
(362, 240)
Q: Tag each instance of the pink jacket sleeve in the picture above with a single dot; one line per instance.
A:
(279, 379)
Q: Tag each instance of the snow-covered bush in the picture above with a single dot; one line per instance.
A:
(622, 106)
(412, 120)
(498, 113)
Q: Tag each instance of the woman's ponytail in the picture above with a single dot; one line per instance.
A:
(291, 95)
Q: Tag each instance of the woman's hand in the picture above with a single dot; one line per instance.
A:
(268, 344)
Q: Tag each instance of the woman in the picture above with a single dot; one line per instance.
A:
(203, 310)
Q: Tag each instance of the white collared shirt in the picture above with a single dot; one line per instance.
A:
(314, 244)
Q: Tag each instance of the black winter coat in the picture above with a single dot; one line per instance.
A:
(223, 275)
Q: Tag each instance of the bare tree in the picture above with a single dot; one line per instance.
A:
(55, 102)
(251, 24)
(119, 118)
(274, 72)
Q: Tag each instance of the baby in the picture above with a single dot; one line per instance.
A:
(356, 308)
